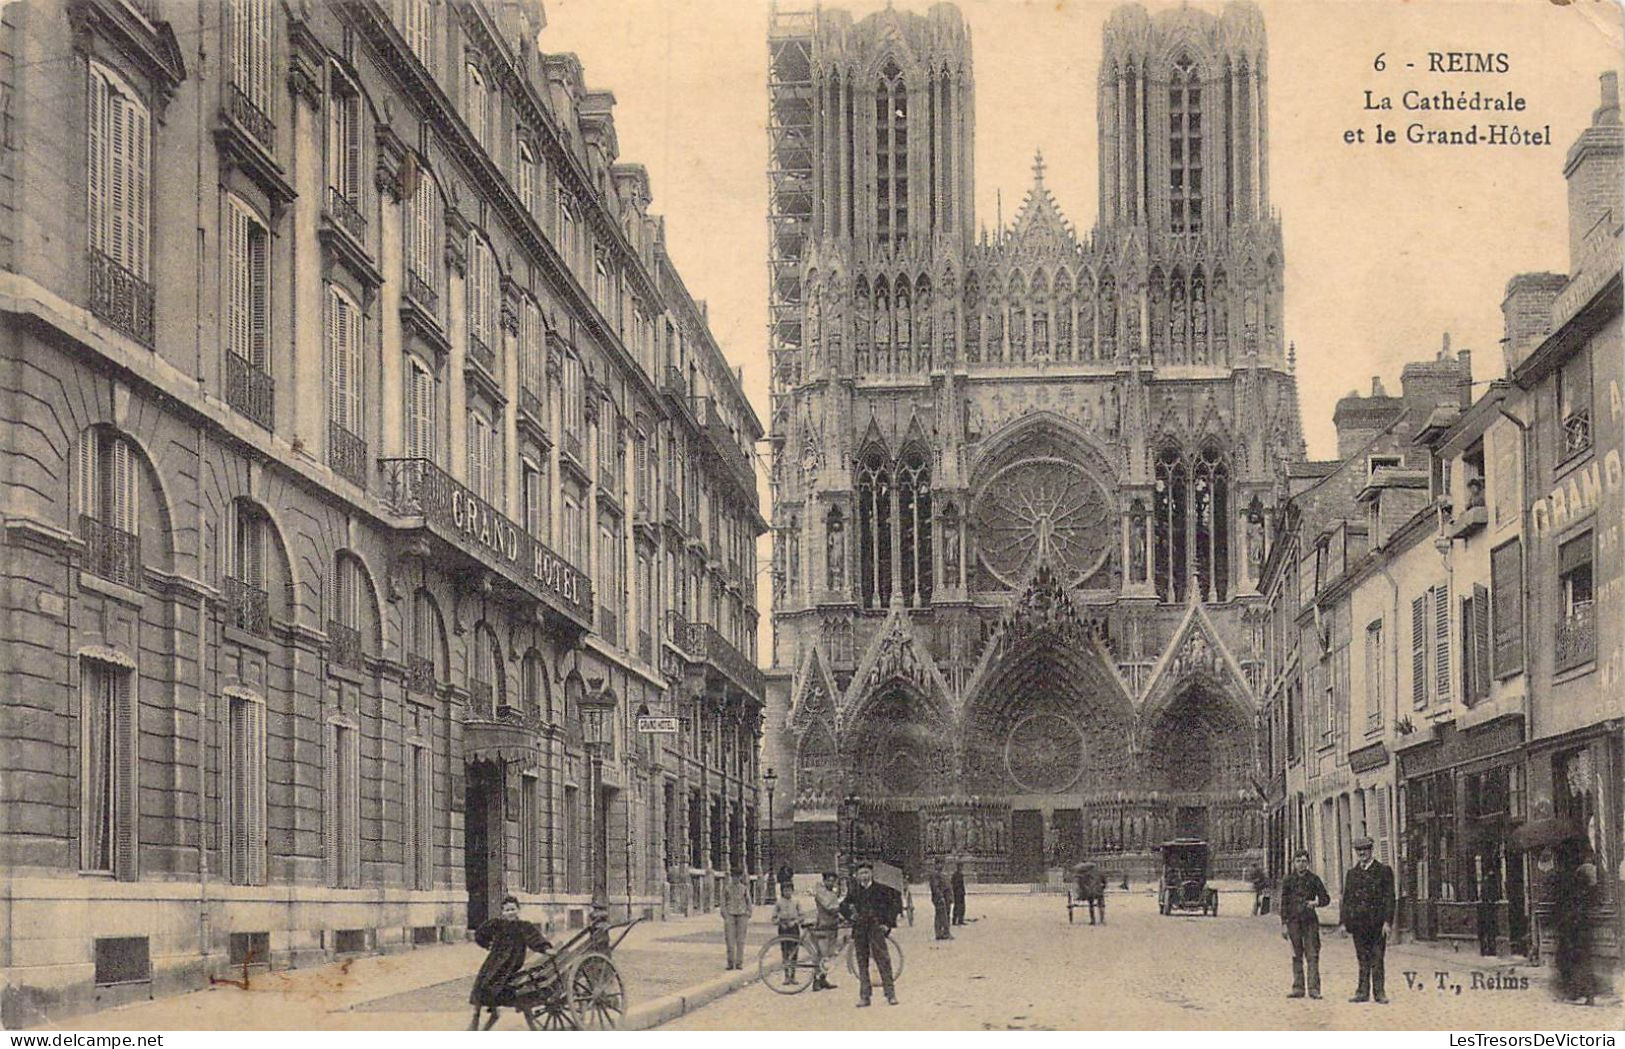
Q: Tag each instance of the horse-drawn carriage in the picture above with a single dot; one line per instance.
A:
(575, 986)
(1184, 886)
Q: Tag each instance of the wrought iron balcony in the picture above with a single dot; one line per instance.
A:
(608, 482)
(1576, 637)
(419, 488)
(250, 391)
(111, 553)
(121, 298)
(344, 211)
(1576, 432)
(530, 405)
(703, 643)
(250, 117)
(572, 446)
(347, 454)
(674, 506)
(344, 645)
(247, 607)
(422, 292)
(420, 675)
(482, 355)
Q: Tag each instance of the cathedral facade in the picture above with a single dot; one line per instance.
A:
(1022, 478)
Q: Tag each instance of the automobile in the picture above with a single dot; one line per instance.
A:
(1184, 886)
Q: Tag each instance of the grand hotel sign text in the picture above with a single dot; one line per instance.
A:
(558, 580)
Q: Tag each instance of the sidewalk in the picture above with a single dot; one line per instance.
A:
(669, 968)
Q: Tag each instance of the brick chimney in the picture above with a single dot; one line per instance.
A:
(1595, 169)
(1444, 381)
(1358, 419)
(1527, 313)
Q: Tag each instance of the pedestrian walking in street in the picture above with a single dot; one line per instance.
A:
(959, 892)
(787, 881)
(1092, 889)
(736, 908)
(872, 909)
(826, 923)
(787, 915)
(1574, 888)
(1367, 912)
(942, 899)
(1260, 882)
(1301, 892)
(507, 938)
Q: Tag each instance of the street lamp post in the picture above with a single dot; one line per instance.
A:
(597, 706)
(770, 779)
(851, 808)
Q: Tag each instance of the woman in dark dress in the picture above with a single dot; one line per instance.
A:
(507, 938)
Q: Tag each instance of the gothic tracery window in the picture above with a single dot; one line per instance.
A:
(914, 526)
(1169, 509)
(1192, 524)
(874, 530)
(891, 158)
(1210, 492)
(1184, 148)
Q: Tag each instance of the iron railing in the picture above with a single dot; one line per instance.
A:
(111, 553)
(482, 355)
(530, 405)
(248, 607)
(250, 390)
(420, 676)
(344, 645)
(121, 298)
(704, 643)
(422, 292)
(345, 212)
(608, 481)
(347, 454)
(250, 117)
(1576, 637)
(1576, 432)
(572, 446)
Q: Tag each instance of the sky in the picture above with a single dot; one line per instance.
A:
(1387, 246)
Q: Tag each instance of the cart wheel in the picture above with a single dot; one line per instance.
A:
(552, 1015)
(597, 995)
(893, 949)
(787, 977)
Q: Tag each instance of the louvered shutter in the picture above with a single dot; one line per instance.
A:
(259, 296)
(332, 813)
(118, 190)
(236, 283)
(1419, 650)
(126, 510)
(1506, 583)
(90, 503)
(260, 49)
(239, 45)
(352, 149)
(137, 126)
(1480, 628)
(352, 374)
(126, 804)
(96, 161)
(1441, 643)
(335, 139)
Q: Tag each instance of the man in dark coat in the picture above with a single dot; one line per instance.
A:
(942, 899)
(1301, 892)
(1367, 913)
(507, 938)
(872, 909)
(959, 893)
(1092, 888)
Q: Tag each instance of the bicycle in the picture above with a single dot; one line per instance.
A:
(797, 959)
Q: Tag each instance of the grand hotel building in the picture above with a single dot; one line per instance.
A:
(368, 471)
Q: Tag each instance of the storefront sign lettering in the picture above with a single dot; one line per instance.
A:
(1577, 495)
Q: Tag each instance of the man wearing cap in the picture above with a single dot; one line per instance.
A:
(827, 897)
(872, 909)
(1367, 912)
(1301, 892)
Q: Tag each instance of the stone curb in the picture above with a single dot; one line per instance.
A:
(669, 1007)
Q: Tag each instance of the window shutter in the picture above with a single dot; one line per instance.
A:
(1481, 641)
(335, 138)
(118, 191)
(259, 296)
(260, 27)
(352, 149)
(1419, 650)
(135, 257)
(126, 507)
(126, 804)
(96, 161)
(1506, 583)
(90, 474)
(353, 374)
(1441, 643)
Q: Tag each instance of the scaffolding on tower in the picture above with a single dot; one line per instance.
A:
(791, 38)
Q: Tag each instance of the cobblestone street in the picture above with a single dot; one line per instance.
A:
(1020, 966)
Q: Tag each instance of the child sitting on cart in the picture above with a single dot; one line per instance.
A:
(507, 938)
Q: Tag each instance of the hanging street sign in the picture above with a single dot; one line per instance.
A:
(659, 725)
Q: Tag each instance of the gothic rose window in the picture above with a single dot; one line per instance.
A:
(1043, 507)
(1044, 753)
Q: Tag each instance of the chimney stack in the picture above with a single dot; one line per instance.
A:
(1526, 313)
(1595, 172)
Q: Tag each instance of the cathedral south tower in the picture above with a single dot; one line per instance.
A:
(1022, 477)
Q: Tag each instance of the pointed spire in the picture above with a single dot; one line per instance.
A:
(1038, 167)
